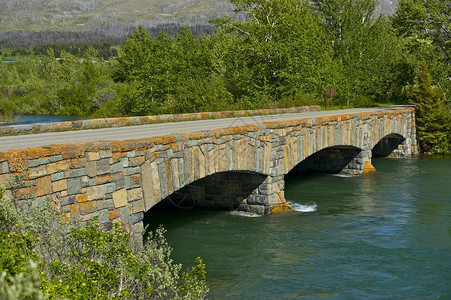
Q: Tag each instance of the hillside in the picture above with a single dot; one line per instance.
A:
(84, 14)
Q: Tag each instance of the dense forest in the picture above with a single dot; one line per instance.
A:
(285, 53)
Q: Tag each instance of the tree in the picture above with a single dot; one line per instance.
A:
(425, 29)
(170, 75)
(284, 46)
(364, 50)
(432, 116)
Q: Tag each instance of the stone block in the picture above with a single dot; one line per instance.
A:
(138, 206)
(5, 167)
(110, 187)
(60, 185)
(58, 166)
(116, 168)
(104, 179)
(4, 178)
(103, 166)
(90, 156)
(37, 162)
(120, 180)
(120, 198)
(135, 218)
(104, 216)
(91, 169)
(43, 186)
(105, 153)
(69, 200)
(95, 192)
(78, 162)
(136, 161)
(87, 207)
(107, 226)
(77, 173)
(132, 170)
(73, 186)
(125, 215)
(127, 182)
(135, 180)
(37, 172)
(257, 209)
(135, 194)
(58, 176)
(151, 185)
(105, 204)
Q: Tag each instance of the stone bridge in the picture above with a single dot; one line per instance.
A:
(233, 168)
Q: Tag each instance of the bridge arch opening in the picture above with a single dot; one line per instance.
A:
(388, 145)
(220, 191)
(333, 160)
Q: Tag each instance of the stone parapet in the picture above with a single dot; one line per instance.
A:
(130, 121)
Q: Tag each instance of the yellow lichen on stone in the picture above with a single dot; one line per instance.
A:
(369, 168)
(281, 207)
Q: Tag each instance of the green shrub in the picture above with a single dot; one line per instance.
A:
(85, 262)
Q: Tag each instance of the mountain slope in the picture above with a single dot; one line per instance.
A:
(66, 14)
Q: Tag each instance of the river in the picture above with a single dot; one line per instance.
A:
(35, 119)
(385, 235)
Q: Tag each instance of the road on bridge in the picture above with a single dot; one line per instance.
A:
(162, 129)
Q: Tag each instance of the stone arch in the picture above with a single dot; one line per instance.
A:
(333, 159)
(389, 145)
(222, 190)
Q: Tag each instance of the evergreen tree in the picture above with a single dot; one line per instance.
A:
(432, 115)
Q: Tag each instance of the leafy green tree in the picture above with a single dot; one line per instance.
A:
(364, 50)
(433, 117)
(284, 46)
(170, 75)
(424, 26)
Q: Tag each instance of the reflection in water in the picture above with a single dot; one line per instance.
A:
(383, 235)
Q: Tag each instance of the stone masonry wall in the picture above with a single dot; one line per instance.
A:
(117, 181)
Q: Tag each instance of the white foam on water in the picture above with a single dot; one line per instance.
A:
(303, 208)
(343, 175)
(244, 214)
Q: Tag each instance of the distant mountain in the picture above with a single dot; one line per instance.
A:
(83, 14)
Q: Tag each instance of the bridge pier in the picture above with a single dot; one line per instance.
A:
(268, 197)
(360, 164)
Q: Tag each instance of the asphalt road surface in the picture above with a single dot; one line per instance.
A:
(161, 129)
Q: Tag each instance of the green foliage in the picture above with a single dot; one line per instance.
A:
(283, 47)
(85, 262)
(433, 117)
(424, 27)
(194, 285)
(365, 51)
(23, 285)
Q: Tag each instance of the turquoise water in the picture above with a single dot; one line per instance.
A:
(34, 119)
(385, 235)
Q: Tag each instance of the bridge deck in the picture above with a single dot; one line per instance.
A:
(164, 129)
